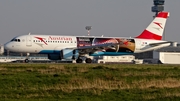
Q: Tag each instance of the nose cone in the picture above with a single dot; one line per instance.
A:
(8, 46)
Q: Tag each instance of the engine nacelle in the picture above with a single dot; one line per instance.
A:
(54, 57)
(64, 54)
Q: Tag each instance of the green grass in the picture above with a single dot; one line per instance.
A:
(89, 82)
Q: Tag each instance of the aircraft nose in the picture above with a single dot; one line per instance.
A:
(8, 46)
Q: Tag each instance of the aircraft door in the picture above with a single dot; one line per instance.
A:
(138, 44)
(28, 41)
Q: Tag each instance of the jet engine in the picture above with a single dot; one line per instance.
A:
(64, 54)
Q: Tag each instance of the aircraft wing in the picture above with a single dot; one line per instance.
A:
(93, 48)
(160, 43)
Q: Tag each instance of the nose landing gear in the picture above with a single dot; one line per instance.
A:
(27, 60)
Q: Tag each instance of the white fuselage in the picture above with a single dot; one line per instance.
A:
(48, 44)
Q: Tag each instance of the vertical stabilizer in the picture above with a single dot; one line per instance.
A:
(156, 28)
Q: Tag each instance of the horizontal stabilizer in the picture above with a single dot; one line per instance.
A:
(160, 43)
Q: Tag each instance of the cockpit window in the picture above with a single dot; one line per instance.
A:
(16, 40)
(12, 40)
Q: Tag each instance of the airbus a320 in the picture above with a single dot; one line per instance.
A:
(75, 47)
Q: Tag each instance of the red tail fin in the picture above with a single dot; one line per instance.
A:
(156, 28)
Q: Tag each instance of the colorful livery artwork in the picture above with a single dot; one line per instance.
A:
(123, 45)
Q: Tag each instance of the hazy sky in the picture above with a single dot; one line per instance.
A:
(124, 18)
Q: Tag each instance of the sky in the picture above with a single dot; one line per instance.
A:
(117, 18)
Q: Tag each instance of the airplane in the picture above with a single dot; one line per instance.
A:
(60, 47)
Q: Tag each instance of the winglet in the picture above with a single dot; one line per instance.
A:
(156, 29)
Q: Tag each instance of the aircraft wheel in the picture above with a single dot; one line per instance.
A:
(26, 60)
(88, 60)
(79, 60)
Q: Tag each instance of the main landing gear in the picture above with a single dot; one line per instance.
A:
(87, 60)
(79, 60)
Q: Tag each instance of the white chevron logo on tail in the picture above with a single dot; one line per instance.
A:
(156, 28)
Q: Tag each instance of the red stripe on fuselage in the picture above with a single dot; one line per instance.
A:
(41, 39)
(148, 35)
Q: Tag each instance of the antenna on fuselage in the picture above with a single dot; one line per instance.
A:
(29, 33)
(88, 28)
